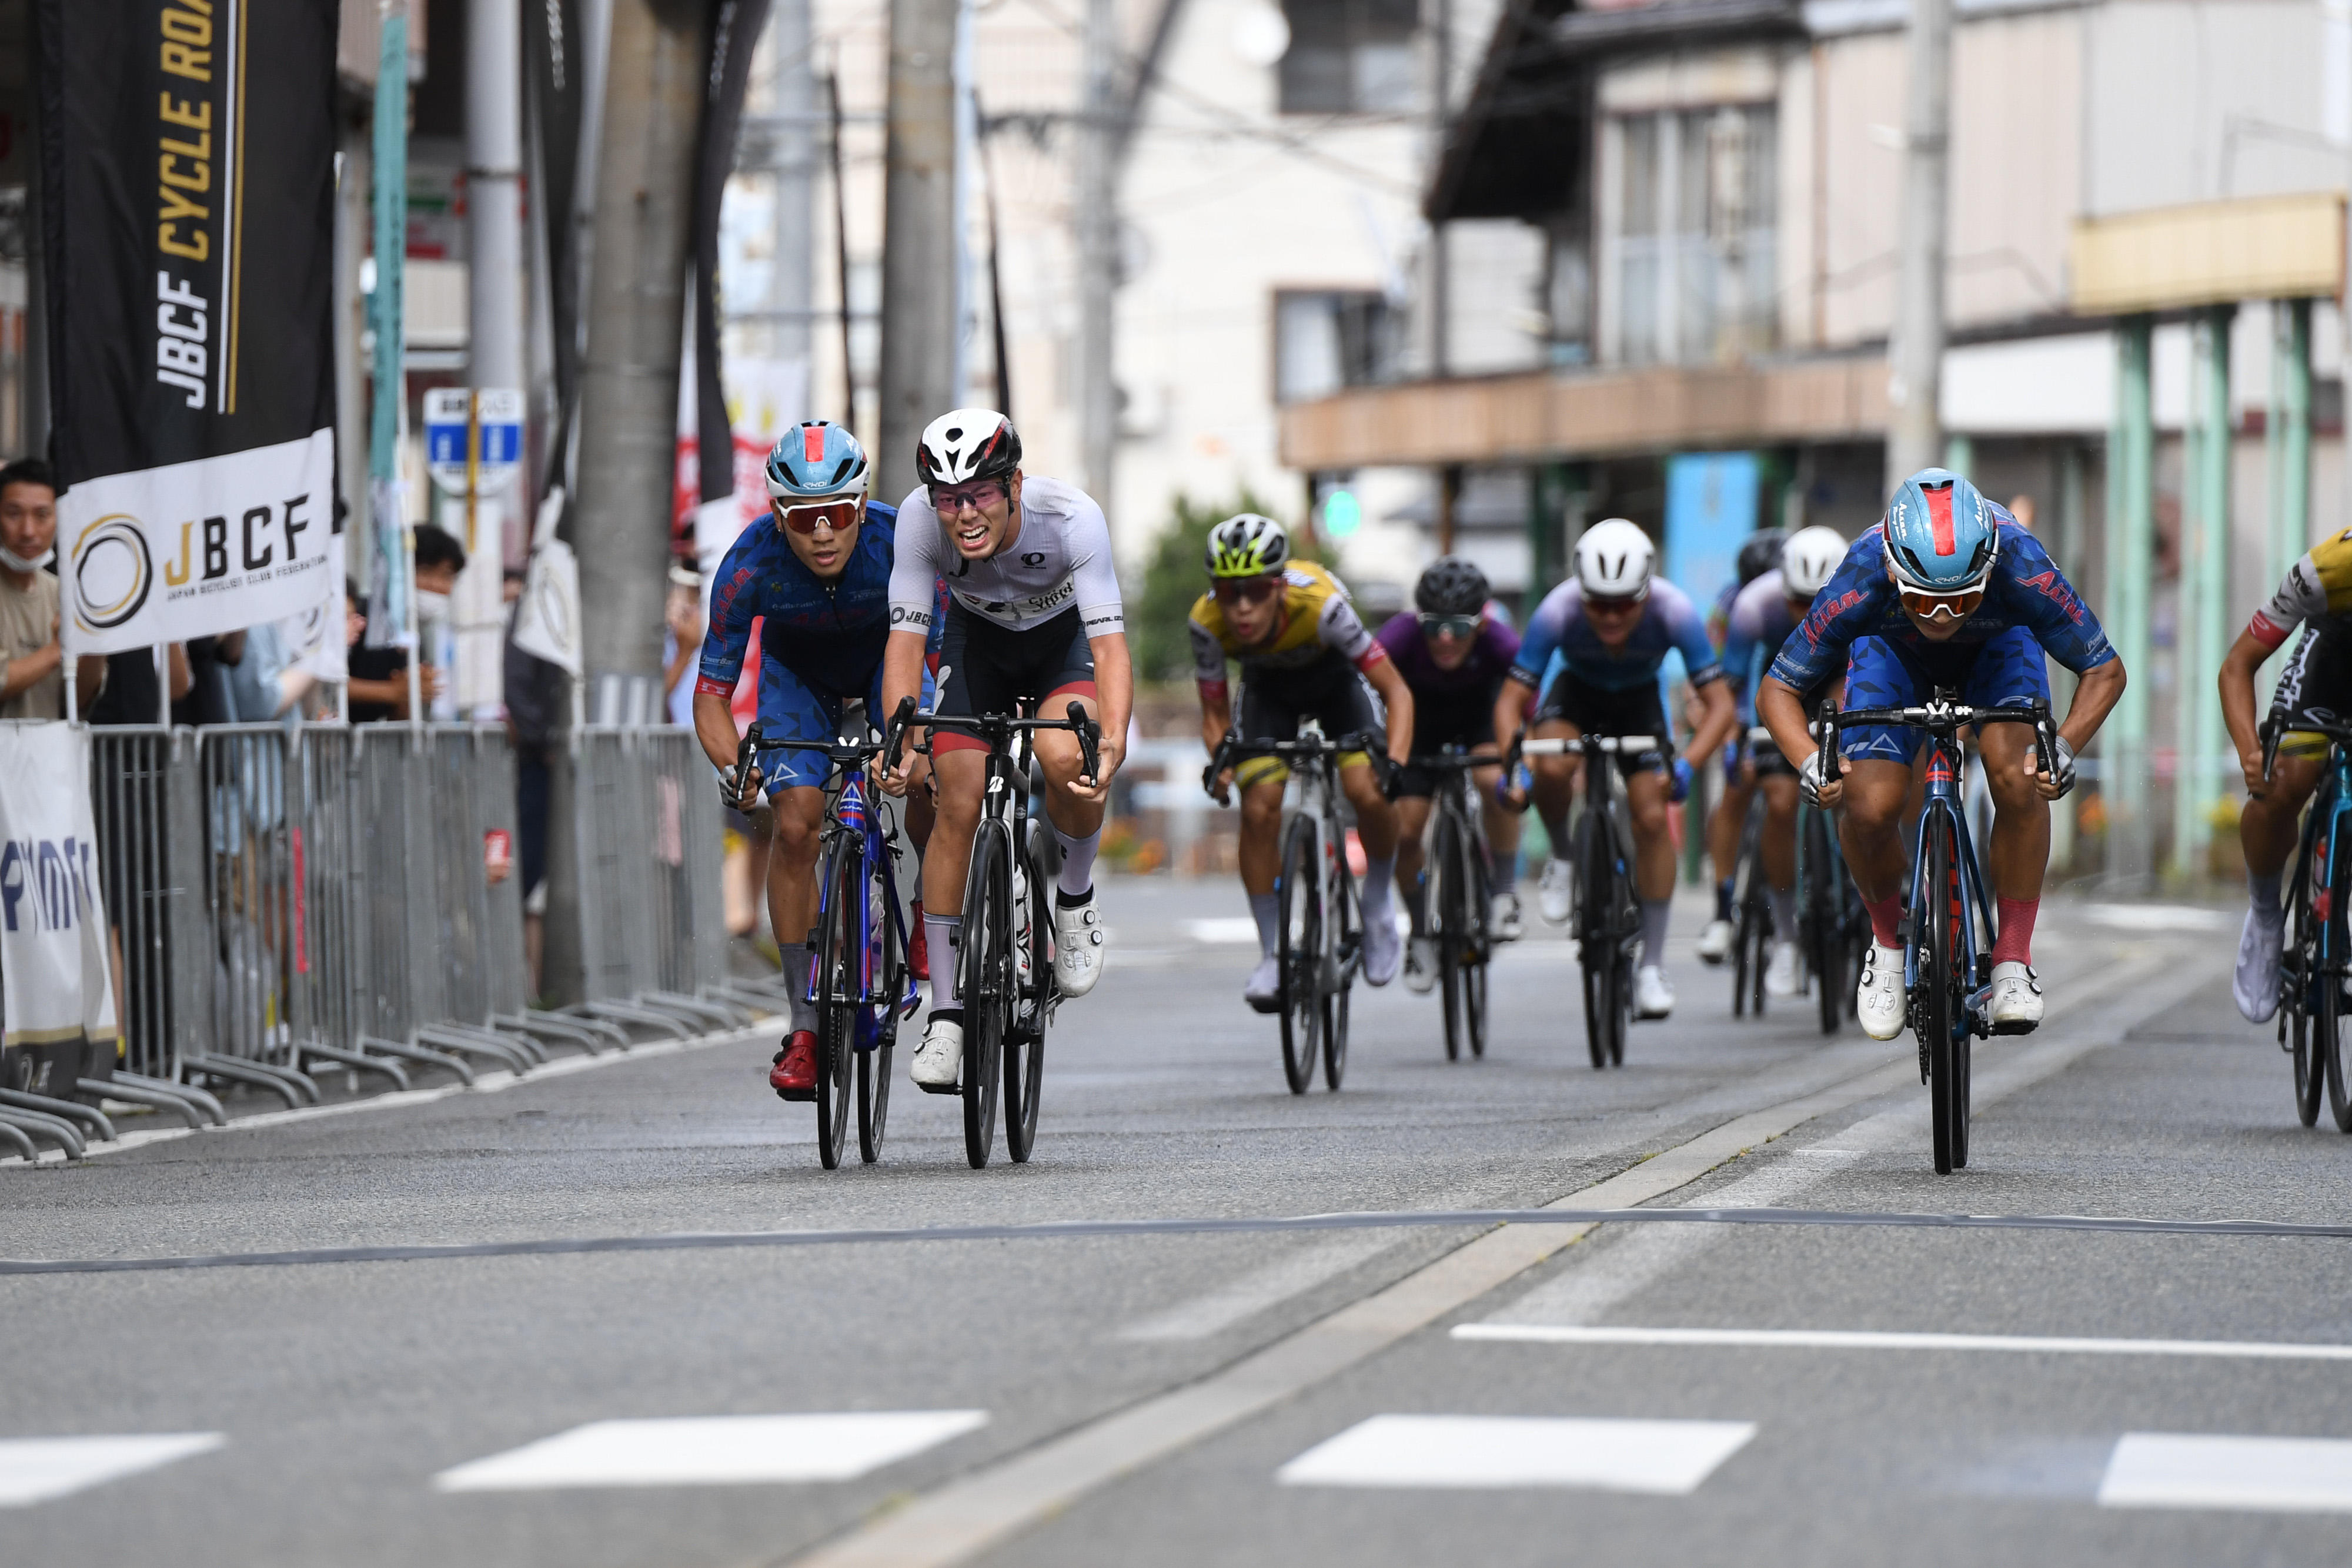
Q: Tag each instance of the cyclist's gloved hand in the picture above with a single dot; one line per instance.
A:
(730, 793)
(1392, 780)
(2061, 757)
(1679, 780)
(1809, 779)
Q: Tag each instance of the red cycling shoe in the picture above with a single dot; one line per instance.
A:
(793, 1077)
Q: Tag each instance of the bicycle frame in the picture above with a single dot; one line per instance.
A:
(2324, 826)
(1313, 759)
(1946, 768)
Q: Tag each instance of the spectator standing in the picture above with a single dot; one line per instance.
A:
(131, 695)
(33, 683)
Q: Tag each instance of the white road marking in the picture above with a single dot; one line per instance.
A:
(1668, 1458)
(1850, 1339)
(1234, 929)
(36, 1469)
(714, 1450)
(2159, 917)
(2276, 1475)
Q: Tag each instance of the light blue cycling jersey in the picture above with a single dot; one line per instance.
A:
(1670, 623)
(1758, 622)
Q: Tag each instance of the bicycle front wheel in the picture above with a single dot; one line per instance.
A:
(2332, 1030)
(2296, 1005)
(1751, 943)
(1474, 940)
(840, 986)
(989, 993)
(1346, 947)
(1824, 921)
(874, 1062)
(1945, 1017)
(1300, 952)
(1441, 900)
(1024, 1045)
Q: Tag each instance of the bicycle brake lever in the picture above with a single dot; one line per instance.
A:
(1089, 741)
(897, 736)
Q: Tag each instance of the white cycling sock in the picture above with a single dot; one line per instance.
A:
(944, 936)
(1077, 878)
(1654, 912)
(1783, 901)
(1266, 908)
(797, 958)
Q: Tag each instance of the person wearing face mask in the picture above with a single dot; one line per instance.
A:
(33, 683)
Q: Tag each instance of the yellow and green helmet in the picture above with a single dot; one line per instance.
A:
(1247, 545)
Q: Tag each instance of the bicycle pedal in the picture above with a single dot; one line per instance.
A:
(941, 1087)
(2015, 1026)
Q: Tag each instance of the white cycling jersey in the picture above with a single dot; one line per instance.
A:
(1059, 557)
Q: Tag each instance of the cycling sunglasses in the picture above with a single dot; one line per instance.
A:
(948, 499)
(1246, 590)
(1942, 606)
(834, 515)
(1614, 604)
(1456, 626)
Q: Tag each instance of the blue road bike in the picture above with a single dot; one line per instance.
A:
(858, 979)
(2313, 1008)
(1947, 955)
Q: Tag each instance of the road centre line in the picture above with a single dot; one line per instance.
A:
(990, 1505)
(1853, 1339)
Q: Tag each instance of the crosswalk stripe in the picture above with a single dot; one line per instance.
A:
(714, 1450)
(2277, 1475)
(1665, 1457)
(1851, 1338)
(36, 1469)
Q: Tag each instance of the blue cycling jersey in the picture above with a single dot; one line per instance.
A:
(1758, 624)
(1670, 623)
(2026, 590)
(830, 634)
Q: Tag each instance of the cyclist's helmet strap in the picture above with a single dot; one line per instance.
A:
(1451, 585)
(968, 444)
(816, 459)
(1246, 545)
(1941, 533)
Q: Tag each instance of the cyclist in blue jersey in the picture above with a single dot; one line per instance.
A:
(1762, 615)
(1611, 625)
(1949, 592)
(817, 578)
(1760, 552)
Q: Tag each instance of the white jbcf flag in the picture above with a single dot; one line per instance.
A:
(53, 949)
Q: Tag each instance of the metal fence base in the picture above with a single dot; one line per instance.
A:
(73, 1111)
(155, 1099)
(630, 1012)
(464, 1044)
(720, 1015)
(10, 1134)
(296, 1087)
(56, 1129)
(565, 1030)
(358, 1060)
(425, 1054)
(188, 1091)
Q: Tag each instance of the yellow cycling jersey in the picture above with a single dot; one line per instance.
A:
(1317, 621)
(2318, 587)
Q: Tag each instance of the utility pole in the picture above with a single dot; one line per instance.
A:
(919, 286)
(1097, 236)
(791, 275)
(628, 377)
(1915, 435)
(1441, 271)
(494, 315)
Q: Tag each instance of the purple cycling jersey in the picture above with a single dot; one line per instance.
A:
(2026, 590)
(1481, 674)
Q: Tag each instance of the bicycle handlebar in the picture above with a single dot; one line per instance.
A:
(1943, 718)
(998, 730)
(2275, 730)
(1608, 745)
(1234, 749)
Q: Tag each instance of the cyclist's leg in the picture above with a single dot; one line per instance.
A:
(1265, 715)
(1348, 707)
(1501, 836)
(1779, 847)
(959, 774)
(2009, 671)
(1412, 812)
(1877, 803)
(1724, 825)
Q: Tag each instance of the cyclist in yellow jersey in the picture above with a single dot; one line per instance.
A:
(1304, 653)
(2317, 596)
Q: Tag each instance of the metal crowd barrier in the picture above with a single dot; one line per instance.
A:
(292, 897)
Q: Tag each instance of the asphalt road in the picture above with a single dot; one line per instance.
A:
(1398, 1394)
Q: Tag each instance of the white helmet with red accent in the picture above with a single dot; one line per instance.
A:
(968, 444)
(1615, 559)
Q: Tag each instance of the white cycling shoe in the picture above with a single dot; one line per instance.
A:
(2255, 985)
(1383, 948)
(2016, 1005)
(1653, 997)
(1420, 965)
(1556, 892)
(1781, 974)
(1262, 989)
(1879, 1000)
(1715, 942)
(1078, 946)
(1505, 925)
(939, 1058)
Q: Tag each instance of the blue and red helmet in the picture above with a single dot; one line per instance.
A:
(816, 459)
(1941, 534)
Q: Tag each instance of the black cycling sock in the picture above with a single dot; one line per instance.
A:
(1071, 900)
(953, 1015)
(1723, 898)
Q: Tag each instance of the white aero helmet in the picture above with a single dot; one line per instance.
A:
(968, 444)
(1613, 560)
(1809, 559)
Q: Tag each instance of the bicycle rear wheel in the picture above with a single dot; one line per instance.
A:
(840, 981)
(1025, 1044)
(1300, 952)
(1947, 1017)
(2302, 964)
(988, 984)
(1441, 899)
(1475, 939)
(1751, 944)
(1595, 947)
(2333, 1031)
(874, 1062)
(1346, 948)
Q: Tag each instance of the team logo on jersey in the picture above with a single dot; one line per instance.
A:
(1034, 558)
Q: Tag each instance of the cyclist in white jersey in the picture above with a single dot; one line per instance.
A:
(1034, 611)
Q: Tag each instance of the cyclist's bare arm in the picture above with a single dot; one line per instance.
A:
(714, 725)
(2237, 703)
(1511, 707)
(1398, 697)
(1114, 701)
(1783, 712)
(902, 677)
(1718, 716)
(2098, 690)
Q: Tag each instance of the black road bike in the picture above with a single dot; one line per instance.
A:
(1458, 900)
(2314, 1013)
(1322, 919)
(1006, 965)
(1607, 925)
